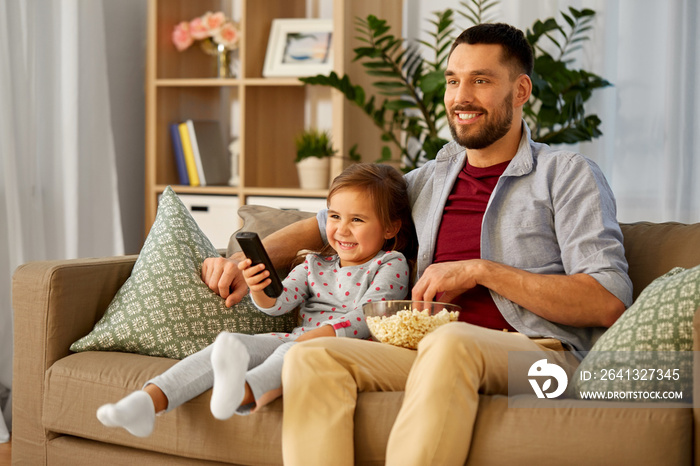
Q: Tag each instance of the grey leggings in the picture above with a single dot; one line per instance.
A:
(194, 375)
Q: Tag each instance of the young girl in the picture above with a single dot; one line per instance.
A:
(369, 221)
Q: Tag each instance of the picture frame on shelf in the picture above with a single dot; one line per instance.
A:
(299, 47)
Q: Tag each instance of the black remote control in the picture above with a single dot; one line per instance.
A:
(255, 251)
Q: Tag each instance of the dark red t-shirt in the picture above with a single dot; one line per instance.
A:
(459, 238)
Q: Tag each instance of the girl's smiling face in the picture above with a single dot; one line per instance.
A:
(353, 227)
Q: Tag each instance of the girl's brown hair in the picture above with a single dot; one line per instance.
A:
(387, 191)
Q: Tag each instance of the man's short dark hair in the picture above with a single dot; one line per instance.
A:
(516, 48)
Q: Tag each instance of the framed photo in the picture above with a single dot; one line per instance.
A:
(299, 47)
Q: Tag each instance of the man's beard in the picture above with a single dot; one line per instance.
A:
(490, 133)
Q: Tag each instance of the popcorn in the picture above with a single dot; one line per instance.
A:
(406, 328)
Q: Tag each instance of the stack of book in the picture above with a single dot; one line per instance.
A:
(200, 153)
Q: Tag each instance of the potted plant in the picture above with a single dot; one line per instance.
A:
(314, 150)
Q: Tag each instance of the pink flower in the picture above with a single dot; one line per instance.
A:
(181, 36)
(228, 36)
(198, 29)
(213, 21)
(211, 28)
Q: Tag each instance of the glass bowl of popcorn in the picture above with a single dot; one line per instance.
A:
(405, 323)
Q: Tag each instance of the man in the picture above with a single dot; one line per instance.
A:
(524, 237)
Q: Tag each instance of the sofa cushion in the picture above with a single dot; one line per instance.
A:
(78, 384)
(654, 333)
(525, 430)
(164, 308)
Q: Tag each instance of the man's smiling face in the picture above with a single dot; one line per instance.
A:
(479, 95)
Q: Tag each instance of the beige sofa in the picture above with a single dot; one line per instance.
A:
(56, 392)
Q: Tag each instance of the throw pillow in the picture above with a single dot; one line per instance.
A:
(650, 346)
(164, 308)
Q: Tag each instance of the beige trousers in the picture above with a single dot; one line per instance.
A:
(442, 381)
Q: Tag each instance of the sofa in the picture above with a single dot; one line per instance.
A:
(56, 392)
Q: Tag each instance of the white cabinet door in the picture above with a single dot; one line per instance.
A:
(217, 216)
(308, 204)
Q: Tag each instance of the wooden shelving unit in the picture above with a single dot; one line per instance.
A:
(269, 111)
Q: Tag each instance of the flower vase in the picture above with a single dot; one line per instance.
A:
(224, 62)
(224, 58)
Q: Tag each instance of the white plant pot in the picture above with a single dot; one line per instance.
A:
(313, 172)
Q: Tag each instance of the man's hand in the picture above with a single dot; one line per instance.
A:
(577, 300)
(449, 278)
(223, 277)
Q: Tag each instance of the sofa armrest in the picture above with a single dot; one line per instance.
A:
(54, 303)
(57, 302)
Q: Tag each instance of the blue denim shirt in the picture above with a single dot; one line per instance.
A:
(551, 212)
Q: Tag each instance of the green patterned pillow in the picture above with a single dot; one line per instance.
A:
(654, 333)
(164, 308)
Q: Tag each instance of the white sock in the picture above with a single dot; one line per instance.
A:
(135, 413)
(229, 359)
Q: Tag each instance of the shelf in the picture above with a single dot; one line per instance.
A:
(282, 192)
(273, 82)
(239, 191)
(213, 190)
(203, 82)
(218, 82)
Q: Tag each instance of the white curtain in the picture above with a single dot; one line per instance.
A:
(650, 51)
(58, 186)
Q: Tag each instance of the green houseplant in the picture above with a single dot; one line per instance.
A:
(412, 113)
(314, 150)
